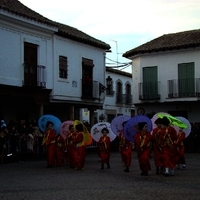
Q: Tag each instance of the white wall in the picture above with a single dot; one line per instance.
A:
(74, 51)
(12, 52)
(167, 68)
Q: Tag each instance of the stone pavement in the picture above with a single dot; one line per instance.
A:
(31, 180)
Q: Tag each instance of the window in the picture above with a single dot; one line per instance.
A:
(119, 95)
(128, 94)
(30, 64)
(186, 81)
(150, 82)
(63, 67)
(87, 78)
(109, 86)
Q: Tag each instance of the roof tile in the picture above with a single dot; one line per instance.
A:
(172, 41)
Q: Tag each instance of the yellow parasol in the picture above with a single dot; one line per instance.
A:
(87, 137)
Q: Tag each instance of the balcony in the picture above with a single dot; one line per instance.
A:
(110, 92)
(149, 90)
(119, 98)
(128, 99)
(90, 90)
(34, 76)
(179, 88)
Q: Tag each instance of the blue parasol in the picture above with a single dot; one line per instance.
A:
(130, 128)
(45, 118)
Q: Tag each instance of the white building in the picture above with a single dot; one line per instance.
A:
(47, 67)
(166, 75)
(118, 96)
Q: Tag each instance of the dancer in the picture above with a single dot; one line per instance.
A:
(79, 147)
(169, 136)
(69, 146)
(143, 147)
(157, 148)
(125, 149)
(104, 148)
(60, 150)
(180, 149)
(49, 142)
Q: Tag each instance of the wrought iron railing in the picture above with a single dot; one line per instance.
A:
(184, 88)
(149, 90)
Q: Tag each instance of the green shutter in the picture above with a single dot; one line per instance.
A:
(150, 82)
(186, 80)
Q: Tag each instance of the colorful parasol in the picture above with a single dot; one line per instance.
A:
(116, 123)
(64, 128)
(96, 131)
(155, 117)
(174, 121)
(87, 135)
(130, 128)
(187, 130)
(42, 121)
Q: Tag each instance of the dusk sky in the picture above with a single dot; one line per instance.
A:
(123, 25)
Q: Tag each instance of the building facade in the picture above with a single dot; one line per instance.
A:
(47, 67)
(118, 95)
(166, 75)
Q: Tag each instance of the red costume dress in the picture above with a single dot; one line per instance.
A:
(125, 149)
(60, 150)
(104, 149)
(70, 149)
(79, 150)
(180, 148)
(169, 136)
(158, 155)
(49, 142)
(143, 147)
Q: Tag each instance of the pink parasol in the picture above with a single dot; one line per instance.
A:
(96, 131)
(116, 123)
(64, 128)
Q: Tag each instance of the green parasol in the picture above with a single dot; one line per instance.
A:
(173, 120)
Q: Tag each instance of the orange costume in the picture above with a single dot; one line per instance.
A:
(49, 142)
(79, 150)
(60, 150)
(143, 146)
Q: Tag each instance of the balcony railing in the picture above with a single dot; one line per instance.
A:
(34, 76)
(91, 90)
(149, 90)
(128, 99)
(110, 92)
(178, 88)
(119, 98)
(124, 98)
(41, 76)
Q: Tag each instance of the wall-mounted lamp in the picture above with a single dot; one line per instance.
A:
(109, 81)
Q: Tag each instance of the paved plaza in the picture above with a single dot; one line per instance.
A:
(31, 180)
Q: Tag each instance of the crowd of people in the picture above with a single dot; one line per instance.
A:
(23, 141)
